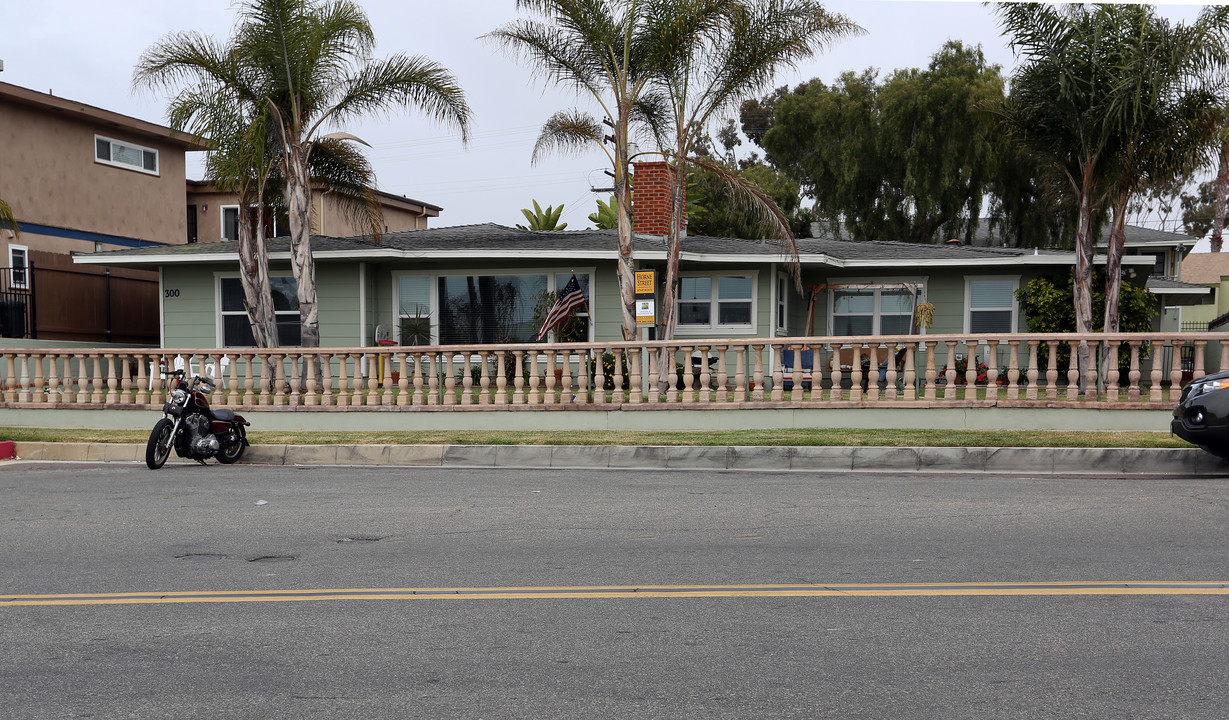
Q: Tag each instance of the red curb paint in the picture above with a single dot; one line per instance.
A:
(8, 450)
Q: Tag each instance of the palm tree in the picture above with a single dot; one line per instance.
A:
(605, 49)
(7, 219)
(722, 52)
(307, 63)
(1168, 114)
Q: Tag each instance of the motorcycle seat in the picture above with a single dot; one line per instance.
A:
(224, 415)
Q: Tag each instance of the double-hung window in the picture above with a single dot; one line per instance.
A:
(874, 309)
(714, 302)
(230, 222)
(120, 153)
(234, 327)
(19, 267)
(990, 304)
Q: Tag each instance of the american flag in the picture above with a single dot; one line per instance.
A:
(570, 298)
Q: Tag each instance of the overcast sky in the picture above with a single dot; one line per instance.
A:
(66, 48)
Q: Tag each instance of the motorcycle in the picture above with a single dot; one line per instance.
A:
(192, 428)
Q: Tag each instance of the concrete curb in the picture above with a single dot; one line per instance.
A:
(1015, 460)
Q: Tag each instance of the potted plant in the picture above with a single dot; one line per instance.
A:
(416, 330)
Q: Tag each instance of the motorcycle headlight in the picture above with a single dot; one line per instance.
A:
(1206, 386)
(178, 397)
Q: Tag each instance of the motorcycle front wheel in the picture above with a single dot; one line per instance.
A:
(158, 449)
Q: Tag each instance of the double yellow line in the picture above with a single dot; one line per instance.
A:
(628, 592)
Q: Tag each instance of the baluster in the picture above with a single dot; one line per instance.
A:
(855, 373)
(706, 393)
(309, 386)
(1111, 373)
(930, 374)
(484, 378)
(38, 390)
(655, 374)
(723, 376)
(672, 375)
(356, 380)
(326, 380)
(278, 378)
(1073, 371)
(1224, 355)
(1133, 373)
(232, 382)
(949, 373)
(1091, 386)
(889, 390)
(126, 381)
(10, 380)
(418, 398)
(264, 378)
(548, 395)
(600, 376)
(795, 391)
(373, 379)
(97, 396)
(872, 384)
(296, 380)
(910, 371)
(1051, 385)
(450, 380)
(403, 380)
(970, 369)
(634, 387)
(777, 394)
(518, 379)
(1200, 349)
(23, 378)
(992, 369)
(109, 378)
(582, 378)
(534, 396)
(834, 375)
(83, 380)
(1158, 357)
(433, 379)
(757, 395)
(467, 378)
(1031, 372)
(1175, 370)
(566, 396)
(53, 380)
(501, 378)
(689, 395)
(740, 373)
(343, 380)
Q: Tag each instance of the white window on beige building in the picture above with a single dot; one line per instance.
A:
(123, 154)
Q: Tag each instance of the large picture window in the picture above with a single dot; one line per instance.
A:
(483, 308)
(716, 301)
(236, 329)
(126, 155)
(874, 309)
(991, 305)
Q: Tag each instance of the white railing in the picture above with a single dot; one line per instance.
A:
(918, 371)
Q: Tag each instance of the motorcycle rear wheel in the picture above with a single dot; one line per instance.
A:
(230, 452)
(158, 449)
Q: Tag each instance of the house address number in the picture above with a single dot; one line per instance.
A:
(173, 292)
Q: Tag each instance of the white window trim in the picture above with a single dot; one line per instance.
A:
(780, 305)
(433, 289)
(874, 284)
(968, 300)
(157, 171)
(218, 313)
(13, 283)
(732, 330)
(222, 223)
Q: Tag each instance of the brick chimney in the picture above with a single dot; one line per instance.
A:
(651, 187)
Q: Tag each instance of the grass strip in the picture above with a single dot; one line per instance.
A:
(878, 437)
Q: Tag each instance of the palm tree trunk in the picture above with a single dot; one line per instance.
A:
(1082, 292)
(1113, 280)
(1218, 209)
(254, 277)
(623, 199)
(298, 202)
(674, 246)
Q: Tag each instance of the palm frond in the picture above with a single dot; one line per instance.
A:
(568, 131)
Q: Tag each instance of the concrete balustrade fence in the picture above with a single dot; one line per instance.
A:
(1136, 371)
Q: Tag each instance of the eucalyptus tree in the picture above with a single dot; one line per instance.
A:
(308, 64)
(721, 53)
(605, 50)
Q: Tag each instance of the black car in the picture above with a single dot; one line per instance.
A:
(1202, 414)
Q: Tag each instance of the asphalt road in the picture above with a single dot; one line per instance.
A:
(551, 650)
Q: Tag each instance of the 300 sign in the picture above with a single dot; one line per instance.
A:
(171, 293)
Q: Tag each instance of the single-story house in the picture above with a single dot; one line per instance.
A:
(482, 283)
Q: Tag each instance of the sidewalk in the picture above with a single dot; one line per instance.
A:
(1184, 462)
